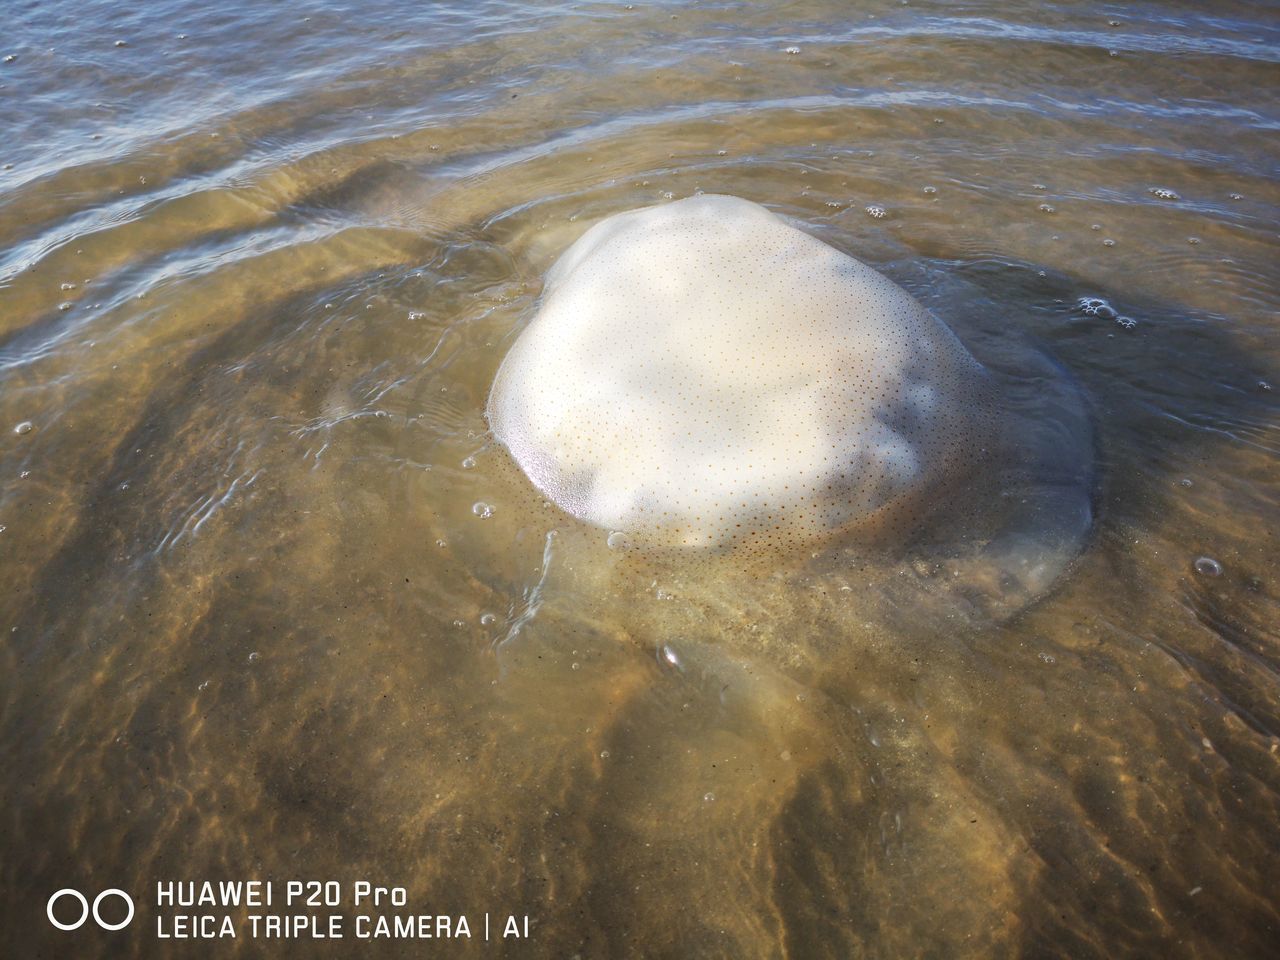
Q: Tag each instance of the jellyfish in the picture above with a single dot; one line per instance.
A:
(708, 379)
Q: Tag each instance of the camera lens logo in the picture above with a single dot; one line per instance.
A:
(85, 909)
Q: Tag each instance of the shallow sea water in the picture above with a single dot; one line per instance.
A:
(275, 606)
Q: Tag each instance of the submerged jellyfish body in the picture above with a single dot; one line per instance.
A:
(703, 375)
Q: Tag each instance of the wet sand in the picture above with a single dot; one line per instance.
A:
(257, 271)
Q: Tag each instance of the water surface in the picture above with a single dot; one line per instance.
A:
(274, 605)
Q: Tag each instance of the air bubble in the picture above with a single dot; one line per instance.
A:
(617, 540)
(482, 509)
(876, 212)
(1047, 208)
(1097, 307)
(1208, 567)
(791, 51)
(1164, 193)
(26, 426)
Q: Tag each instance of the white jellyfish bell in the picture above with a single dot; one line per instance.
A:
(707, 378)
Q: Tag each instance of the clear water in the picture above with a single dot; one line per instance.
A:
(271, 608)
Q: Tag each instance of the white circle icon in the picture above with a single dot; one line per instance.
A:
(84, 908)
